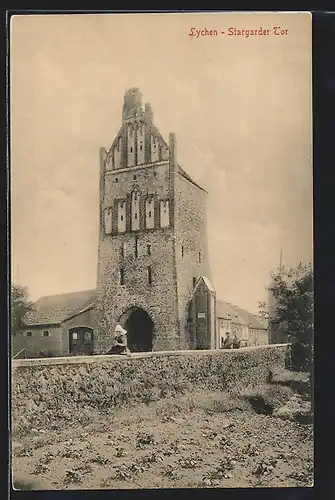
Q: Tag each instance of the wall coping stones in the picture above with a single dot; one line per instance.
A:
(67, 360)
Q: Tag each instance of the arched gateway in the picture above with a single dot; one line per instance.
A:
(140, 329)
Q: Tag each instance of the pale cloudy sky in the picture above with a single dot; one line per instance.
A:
(241, 110)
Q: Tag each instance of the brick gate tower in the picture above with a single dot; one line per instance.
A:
(152, 241)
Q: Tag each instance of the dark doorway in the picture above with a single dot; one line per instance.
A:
(81, 341)
(140, 328)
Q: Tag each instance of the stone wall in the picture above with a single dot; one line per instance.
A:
(45, 389)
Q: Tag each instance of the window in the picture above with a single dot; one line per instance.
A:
(135, 180)
(116, 180)
(149, 212)
(108, 220)
(199, 257)
(148, 248)
(155, 174)
(28, 334)
(87, 335)
(149, 275)
(131, 149)
(121, 276)
(121, 217)
(135, 210)
(182, 251)
(46, 333)
(141, 147)
(194, 281)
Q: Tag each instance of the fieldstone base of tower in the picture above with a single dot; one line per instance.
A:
(148, 328)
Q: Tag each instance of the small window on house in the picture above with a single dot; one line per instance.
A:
(199, 257)
(148, 248)
(46, 333)
(135, 180)
(28, 334)
(121, 276)
(131, 149)
(116, 180)
(121, 217)
(155, 174)
(182, 251)
(194, 281)
(149, 214)
(135, 215)
(149, 275)
(141, 147)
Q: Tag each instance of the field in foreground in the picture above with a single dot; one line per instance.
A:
(198, 440)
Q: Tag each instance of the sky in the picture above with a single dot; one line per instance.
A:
(241, 111)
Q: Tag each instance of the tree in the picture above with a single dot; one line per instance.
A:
(293, 309)
(20, 306)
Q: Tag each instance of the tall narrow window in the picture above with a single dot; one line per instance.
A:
(121, 276)
(149, 275)
(149, 248)
(121, 218)
(182, 251)
(135, 210)
(108, 220)
(136, 247)
(149, 212)
(164, 213)
(194, 281)
(199, 257)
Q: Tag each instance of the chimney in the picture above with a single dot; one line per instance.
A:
(172, 149)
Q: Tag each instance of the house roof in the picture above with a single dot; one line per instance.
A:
(252, 320)
(184, 174)
(225, 310)
(55, 309)
(207, 283)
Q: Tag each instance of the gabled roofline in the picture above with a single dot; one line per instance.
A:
(185, 175)
(73, 315)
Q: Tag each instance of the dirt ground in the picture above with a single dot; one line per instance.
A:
(200, 440)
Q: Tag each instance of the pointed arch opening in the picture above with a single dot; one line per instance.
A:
(140, 329)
